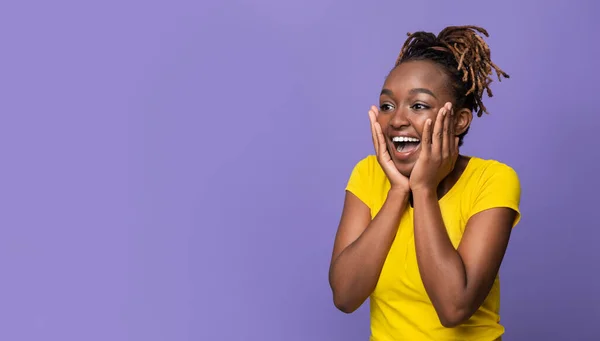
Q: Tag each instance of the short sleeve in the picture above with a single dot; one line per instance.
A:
(499, 187)
(359, 181)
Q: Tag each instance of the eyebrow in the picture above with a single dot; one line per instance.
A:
(422, 91)
(412, 92)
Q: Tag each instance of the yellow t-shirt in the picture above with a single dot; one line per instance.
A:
(400, 307)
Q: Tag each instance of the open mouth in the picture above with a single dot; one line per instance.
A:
(405, 144)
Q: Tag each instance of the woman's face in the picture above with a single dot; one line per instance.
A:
(412, 93)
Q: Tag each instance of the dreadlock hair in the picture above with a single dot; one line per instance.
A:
(466, 58)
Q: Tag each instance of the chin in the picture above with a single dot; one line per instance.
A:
(404, 169)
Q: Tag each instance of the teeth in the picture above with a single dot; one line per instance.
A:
(404, 139)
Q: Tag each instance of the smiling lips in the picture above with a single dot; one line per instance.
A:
(404, 146)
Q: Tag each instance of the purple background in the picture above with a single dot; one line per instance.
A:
(175, 170)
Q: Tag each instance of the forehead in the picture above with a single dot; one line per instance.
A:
(418, 74)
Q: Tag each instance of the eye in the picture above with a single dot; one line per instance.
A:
(419, 106)
(386, 107)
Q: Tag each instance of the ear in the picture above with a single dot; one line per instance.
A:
(463, 120)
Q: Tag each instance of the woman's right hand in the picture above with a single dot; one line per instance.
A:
(397, 180)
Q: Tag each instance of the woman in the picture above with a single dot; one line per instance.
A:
(424, 229)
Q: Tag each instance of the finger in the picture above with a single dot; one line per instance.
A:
(375, 110)
(452, 121)
(426, 139)
(447, 138)
(380, 139)
(438, 131)
(373, 132)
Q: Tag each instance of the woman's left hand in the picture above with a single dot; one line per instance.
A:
(439, 151)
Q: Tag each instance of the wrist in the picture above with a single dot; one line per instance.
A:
(398, 195)
(424, 191)
(399, 192)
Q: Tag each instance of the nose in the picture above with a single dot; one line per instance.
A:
(399, 119)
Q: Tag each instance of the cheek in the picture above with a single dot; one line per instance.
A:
(383, 120)
(419, 123)
(430, 115)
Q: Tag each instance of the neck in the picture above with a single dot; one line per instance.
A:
(450, 180)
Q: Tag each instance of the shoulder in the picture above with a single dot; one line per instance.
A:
(366, 162)
(366, 168)
(493, 184)
(484, 171)
(367, 179)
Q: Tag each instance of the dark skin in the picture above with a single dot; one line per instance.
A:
(416, 101)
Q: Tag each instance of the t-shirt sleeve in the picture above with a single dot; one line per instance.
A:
(358, 183)
(500, 187)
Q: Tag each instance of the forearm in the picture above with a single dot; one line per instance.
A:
(355, 272)
(442, 270)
